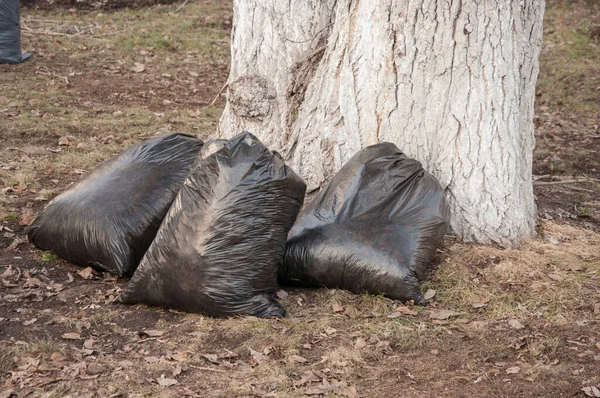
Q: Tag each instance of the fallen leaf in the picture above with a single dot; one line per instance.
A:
(212, 358)
(349, 392)
(153, 333)
(70, 278)
(94, 369)
(71, 336)
(307, 376)
(177, 370)
(138, 68)
(406, 311)
(57, 356)
(591, 391)
(481, 303)
(360, 343)
(329, 331)
(292, 359)
(86, 273)
(576, 267)
(282, 294)
(555, 277)
(429, 294)
(513, 370)
(179, 356)
(515, 324)
(63, 141)
(125, 363)
(337, 308)
(166, 382)
(151, 359)
(442, 314)
(394, 315)
(89, 343)
(598, 346)
(30, 322)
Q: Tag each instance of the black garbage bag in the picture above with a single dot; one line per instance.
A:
(109, 218)
(10, 33)
(219, 247)
(374, 228)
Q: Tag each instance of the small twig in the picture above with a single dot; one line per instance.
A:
(209, 369)
(219, 94)
(50, 382)
(561, 182)
(181, 6)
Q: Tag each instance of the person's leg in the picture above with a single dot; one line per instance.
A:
(10, 33)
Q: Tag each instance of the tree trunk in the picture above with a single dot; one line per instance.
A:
(452, 83)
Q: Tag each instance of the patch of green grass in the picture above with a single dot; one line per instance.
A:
(11, 217)
(586, 212)
(50, 257)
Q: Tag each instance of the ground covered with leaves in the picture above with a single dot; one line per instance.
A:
(505, 323)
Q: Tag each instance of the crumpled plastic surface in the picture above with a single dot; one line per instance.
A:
(109, 218)
(218, 250)
(10, 33)
(375, 228)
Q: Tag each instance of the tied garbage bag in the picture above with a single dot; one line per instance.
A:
(109, 218)
(10, 33)
(374, 228)
(219, 247)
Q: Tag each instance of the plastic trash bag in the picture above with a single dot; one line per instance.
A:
(10, 33)
(374, 228)
(219, 248)
(109, 218)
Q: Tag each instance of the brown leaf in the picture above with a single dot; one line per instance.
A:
(177, 370)
(349, 392)
(63, 141)
(360, 343)
(515, 324)
(94, 369)
(71, 336)
(442, 314)
(576, 267)
(86, 273)
(307, 377)
(138, 68)
(406, 311)
(394, 315)
(212, 358)
(179, 356)
(337, 308)
(153, 333)
(555, 277)
(166, 382)
(70, 278)
(429, 294)
(481, 303)
(292, 359)
(89, 343)
(591, 391)
(57, 356)
(329, 331)
(282, 294)
(513, 370)
(30, 322)
(151, 359)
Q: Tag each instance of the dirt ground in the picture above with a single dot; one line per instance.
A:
(500, 323)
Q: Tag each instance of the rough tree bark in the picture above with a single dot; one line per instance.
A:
(451, 82)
